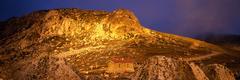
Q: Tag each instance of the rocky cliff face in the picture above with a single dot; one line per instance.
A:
(78, 44)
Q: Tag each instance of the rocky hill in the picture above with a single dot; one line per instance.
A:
(73, 44)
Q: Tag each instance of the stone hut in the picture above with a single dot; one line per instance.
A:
(120, 65)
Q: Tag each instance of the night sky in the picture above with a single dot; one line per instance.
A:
(183, 17)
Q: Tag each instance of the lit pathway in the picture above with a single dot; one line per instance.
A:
(77, 51)
(214, 53)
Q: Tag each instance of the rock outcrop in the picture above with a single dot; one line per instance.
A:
(164, 68)
(219, 72)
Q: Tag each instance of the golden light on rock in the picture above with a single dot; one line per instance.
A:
(74, 44)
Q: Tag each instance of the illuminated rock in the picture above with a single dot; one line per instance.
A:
(67, 44)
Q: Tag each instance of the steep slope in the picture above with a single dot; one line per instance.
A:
(83, 44)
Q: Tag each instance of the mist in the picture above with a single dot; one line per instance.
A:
(207, 16)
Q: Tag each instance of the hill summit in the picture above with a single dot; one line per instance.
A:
(92, 44)
(75, 22)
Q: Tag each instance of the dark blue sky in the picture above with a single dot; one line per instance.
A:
(183, 17)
